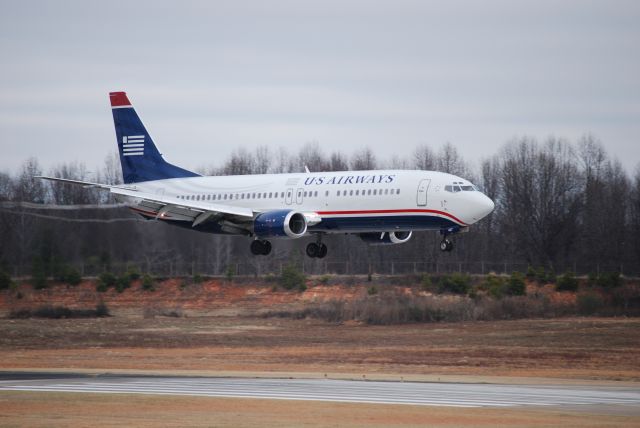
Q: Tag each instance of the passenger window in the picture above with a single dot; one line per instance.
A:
(326, 193)
(397, 191)
(357, 192)
(315, 194)
(351, 193)
(386, 191)
(338, 193)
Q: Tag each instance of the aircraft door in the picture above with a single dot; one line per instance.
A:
(299, 195)
(423, 188)
(289, 196)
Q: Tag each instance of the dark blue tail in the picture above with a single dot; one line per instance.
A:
(140, 159)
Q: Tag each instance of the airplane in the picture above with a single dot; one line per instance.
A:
(382, 207)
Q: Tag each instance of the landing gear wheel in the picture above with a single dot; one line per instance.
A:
(313, 250)
(256, 247)
(446, 245)
(260, 248)
(322, 251)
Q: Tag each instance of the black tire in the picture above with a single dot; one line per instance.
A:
(444, 245)
(449, 246)
(266, 248)
(257, 248)
(322, 251)
(312, 250)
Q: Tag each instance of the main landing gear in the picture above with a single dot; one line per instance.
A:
(317, 249)
(260, 247)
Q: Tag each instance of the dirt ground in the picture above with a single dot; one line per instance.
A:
(220, 332)
(568, 348)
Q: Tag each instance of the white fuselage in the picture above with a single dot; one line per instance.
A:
(345, 202)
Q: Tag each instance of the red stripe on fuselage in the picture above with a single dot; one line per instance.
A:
(392, 212)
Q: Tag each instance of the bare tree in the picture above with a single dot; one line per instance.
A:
(112, 169)
(240, 163)
(70, 194)
(363, 159)
(423, 158)
(541, 199)
(449, 160)
(263, 160)
(6, 187)
(312, 157)
(27, 188)
(338, 162)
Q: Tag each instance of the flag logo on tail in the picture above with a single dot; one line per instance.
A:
(133, 145)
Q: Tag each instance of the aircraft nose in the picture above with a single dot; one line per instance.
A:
(483, 206)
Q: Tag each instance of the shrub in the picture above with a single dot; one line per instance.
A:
(494, 285)
(148, 282)
(324, 279)
(230, 272)
(543, 277)
(38, 275)
(72, 276)
(531, 273)
(456, 283)
(609, 280)
(589, 303)
(123, 282)
(58, 312)
(425, 283)
(132, 274)
(102, 310)
(106, 280)
(372, 291)
(197, 278)
(5, 280)
(292, 277)
(567, 282)
(515, 286)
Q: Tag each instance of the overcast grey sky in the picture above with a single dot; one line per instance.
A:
(208, 77)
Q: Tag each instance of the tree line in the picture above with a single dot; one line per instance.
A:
(559, 204)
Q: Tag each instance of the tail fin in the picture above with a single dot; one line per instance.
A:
(139, 157)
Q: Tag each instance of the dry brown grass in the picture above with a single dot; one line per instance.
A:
(569, 348)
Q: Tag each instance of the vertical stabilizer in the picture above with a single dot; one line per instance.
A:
(139, 157)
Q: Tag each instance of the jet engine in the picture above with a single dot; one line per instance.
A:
(385, 238)
(287, 223)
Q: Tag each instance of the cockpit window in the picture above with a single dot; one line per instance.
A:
(458, 186)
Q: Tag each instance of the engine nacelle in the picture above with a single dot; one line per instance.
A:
(280, 223)
(385, 238)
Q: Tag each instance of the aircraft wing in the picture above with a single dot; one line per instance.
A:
(195, 211)
(167, 208)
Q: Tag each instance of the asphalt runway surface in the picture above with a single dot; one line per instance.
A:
(468, 395)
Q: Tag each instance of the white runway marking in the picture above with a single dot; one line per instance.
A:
(412, 393)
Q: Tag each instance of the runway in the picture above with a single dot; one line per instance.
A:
(405, 393)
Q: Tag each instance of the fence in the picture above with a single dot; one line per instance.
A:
(178, 268)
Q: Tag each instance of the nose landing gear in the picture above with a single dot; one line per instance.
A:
(446, 245)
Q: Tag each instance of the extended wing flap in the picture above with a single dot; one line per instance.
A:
(191, 209)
